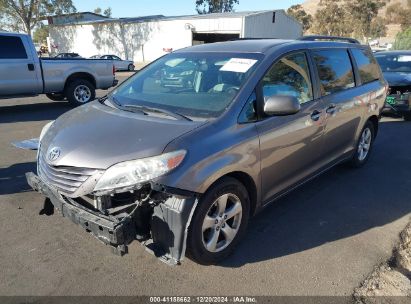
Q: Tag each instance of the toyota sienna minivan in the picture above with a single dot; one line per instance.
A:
(182, 168)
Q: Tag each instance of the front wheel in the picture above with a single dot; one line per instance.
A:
(407, 116)
(219, 222)
(131, 67)
(364, 146)
(80, 91)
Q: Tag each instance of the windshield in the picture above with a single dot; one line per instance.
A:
(196, 85)
(394, 62)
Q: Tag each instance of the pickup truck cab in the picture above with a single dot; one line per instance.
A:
(23, 73)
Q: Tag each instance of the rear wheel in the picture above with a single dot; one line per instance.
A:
(364, 146)
(56, 96)
(80, 91)
(219, 222)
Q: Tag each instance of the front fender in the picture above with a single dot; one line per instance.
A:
(235, 149)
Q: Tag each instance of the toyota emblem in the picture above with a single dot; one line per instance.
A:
(54, 153)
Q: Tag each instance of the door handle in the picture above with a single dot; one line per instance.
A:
(315, 115)
(331, 109)
(30, 66)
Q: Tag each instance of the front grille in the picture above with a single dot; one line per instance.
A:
(66, 179)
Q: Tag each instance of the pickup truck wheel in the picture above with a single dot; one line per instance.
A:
(80, 91)
(364, 146)
(56, 96)
(219, 222)
(131, 67)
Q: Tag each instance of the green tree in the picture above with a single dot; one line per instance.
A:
(25, 15)
(297, 11)
(41, 33)
(332, 19)
(215, 6)
(363, 14)
(403, 40)
(107, 12)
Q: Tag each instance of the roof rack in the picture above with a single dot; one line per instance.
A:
(330, 38)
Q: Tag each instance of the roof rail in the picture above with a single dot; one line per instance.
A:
(330, 38)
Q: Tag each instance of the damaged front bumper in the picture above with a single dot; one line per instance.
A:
(161, 225)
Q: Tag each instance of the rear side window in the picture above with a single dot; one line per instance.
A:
(335, 70)
(12, 48)
(367, 65)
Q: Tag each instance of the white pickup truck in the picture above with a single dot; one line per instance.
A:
(22, 73)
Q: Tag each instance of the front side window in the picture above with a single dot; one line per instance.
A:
(12, 48)
(289, 76)
(198, 85)
(367, 65)
(335, 70)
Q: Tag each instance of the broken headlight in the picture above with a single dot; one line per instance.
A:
(138, 171)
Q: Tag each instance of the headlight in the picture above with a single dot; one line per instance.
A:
(138, 171)
(45, 129)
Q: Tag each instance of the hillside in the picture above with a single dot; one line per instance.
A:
(311, 7)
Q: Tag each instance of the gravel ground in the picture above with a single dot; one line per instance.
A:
(391, 281)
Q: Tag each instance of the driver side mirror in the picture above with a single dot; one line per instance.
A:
(281, 105)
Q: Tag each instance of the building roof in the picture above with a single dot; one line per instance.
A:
(167, 18)
(77, 14)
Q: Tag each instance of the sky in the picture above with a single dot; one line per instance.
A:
(134, 8)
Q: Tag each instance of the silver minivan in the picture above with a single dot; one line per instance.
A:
(182, 168)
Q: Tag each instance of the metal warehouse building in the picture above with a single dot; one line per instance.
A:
(144, 39)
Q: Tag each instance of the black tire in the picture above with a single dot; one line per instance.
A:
(196, 249)
(56, 96)
(407, 116)
(72, 95)
(357, 161)
(131, 67)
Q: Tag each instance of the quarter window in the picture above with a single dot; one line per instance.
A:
(289, 76)
(367, 65)
(335, 70)
(12, 48)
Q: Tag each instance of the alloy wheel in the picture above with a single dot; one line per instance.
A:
(222, 222)
(364, 144)
(82, 93)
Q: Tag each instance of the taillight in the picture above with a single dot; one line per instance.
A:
(114, 70)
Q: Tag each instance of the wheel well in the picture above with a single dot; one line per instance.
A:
(374, 121)
(248, 183)
(82, 75)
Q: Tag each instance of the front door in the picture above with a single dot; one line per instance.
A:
(291, 146)
(18, 71)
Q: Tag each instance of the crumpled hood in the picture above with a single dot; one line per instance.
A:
(98, 136)
(397, 79)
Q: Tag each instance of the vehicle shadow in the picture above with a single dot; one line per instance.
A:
(13, 179)
(341, 203)
(33, 112)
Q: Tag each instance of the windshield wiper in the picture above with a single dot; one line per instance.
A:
(127, 108)
(145, 109)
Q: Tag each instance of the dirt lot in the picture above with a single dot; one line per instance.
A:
(322, 239)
